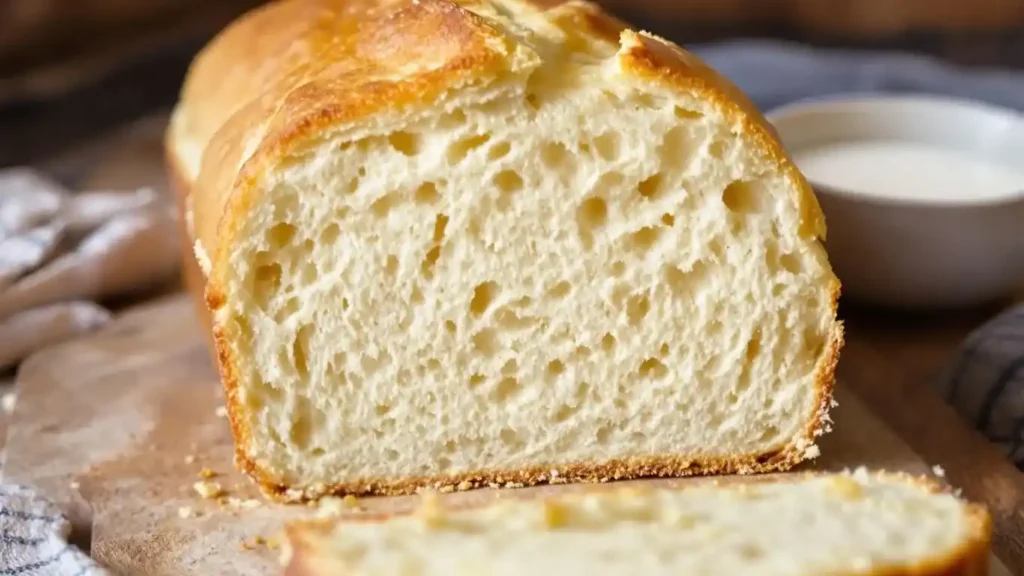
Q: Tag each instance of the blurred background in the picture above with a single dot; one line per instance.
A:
(70, 69)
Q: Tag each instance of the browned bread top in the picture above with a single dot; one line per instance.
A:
(288, 69)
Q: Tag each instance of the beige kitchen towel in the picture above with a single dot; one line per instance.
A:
(63, 253)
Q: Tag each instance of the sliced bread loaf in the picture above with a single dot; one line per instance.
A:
(841, 524)
(453, 244)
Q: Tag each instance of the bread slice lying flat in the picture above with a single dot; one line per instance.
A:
(843, 524)
(454, 244)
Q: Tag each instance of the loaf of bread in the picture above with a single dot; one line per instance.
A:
(841, 525)
(482, 242)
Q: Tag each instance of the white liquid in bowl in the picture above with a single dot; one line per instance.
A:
(909, 171)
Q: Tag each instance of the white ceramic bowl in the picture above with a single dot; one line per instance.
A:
(921, 252)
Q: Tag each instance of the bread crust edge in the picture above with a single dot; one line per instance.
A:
(971, 558)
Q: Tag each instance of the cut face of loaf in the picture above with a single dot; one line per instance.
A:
(526, 250)
(842, 525)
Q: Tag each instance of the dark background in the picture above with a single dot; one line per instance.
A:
(70, 69)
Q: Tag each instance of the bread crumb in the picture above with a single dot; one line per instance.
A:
(333, 506)
(447, 489)
(846, 487)
(260, 540)
(208, 489)
(430, 511)
(186, 512)
(465, 485)
(221, 412)
(244, 545)
(555, 514)
(274, 542)
(329, 506)
(251, 503)
(9, 400)
(206, 474)
(191, 458)
(939, 471)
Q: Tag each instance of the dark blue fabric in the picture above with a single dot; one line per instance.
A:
(777, 73)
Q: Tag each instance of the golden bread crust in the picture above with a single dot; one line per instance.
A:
(307, 556)
(195, 279)
(279, 76)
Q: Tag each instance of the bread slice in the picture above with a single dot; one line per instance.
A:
(841, 524)
(454, 244)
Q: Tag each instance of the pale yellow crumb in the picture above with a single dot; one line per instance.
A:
(206, 474)
(555, 514)
(846, 487)
(333, 506)
(430, 511)
(186, 512)
(208, 489)
(221, 412)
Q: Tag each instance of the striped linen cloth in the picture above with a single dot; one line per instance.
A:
(985, 381)
(33, 538)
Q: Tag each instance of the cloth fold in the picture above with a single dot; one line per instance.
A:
(984, 382)
(61, 253)
(33, 538)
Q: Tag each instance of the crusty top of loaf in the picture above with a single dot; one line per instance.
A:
(280, 75)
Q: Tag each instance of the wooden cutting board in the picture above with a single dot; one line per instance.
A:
(105, 424)
(116, 427)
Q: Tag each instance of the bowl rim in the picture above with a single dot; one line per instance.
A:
(883, 102)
